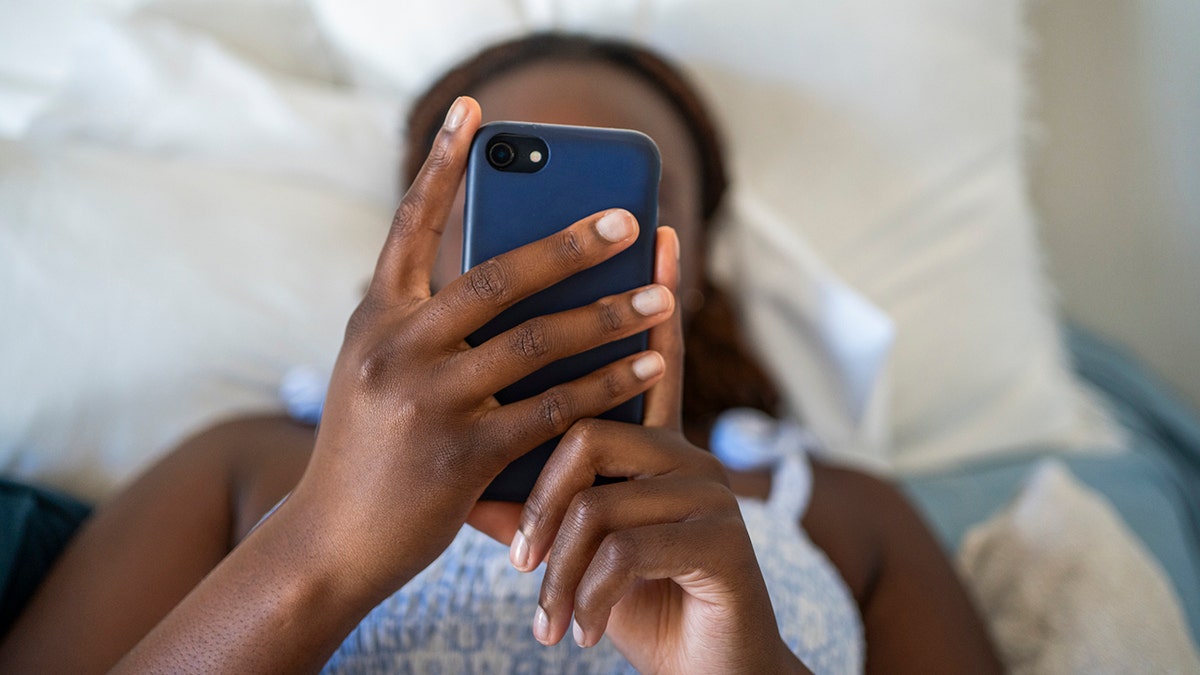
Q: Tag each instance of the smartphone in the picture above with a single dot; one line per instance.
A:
(528, 181)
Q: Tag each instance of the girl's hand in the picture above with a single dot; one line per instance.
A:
(411, 433)
(662, 562)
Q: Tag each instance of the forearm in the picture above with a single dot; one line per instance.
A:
(283, 600)
(149, 546)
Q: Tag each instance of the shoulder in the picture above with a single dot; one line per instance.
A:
(260, 457)
(855, 517)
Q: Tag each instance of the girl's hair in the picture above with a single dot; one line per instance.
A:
(719, 371)
(469, 76)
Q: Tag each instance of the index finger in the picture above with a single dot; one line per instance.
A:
(664, 402)
(406, 262)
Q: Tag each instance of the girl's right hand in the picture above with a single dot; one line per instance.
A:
(662, 562)
(411, 433)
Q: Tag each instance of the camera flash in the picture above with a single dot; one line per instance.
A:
(535, 156)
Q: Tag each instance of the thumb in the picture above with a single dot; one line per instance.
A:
(664, 400)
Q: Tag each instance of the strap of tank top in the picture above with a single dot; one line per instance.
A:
(747, 439)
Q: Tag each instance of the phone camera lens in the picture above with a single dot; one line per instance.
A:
(501, 154)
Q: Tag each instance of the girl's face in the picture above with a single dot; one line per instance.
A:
(597, 95)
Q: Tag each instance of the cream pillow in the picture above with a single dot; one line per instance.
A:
(1067, 588)
(166, 153)
(147, 298)
(180, 227)
(885, 137)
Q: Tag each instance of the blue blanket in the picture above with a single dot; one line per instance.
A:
(1155, 486)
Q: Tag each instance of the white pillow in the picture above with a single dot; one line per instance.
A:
(1067, 588)
(180, 227)
(146, 298)
(886, 136)
(909, 191)
(157, 87)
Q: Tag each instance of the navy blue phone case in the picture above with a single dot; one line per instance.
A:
(585, 170)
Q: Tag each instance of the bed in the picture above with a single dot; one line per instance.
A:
(1152, 488)
(169, 171)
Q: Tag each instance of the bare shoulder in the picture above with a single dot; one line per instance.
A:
(851, 515)
(917, 615)
(265, 456)
(170, 526)
(271, 430)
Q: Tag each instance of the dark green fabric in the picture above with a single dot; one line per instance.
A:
(35, 525)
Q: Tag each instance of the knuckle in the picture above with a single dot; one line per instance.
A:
(571, 251)
(586, 507)
(441, 155)
(375, 366)
(583, 516)
(613, 384)
(725, 500)
(362, 319)
(409, 212)
(617, 552)
(374, 358)
(488, 282)
(555, 410)
(529, 340)
(707, 464)
(610, 317)
(578, 439)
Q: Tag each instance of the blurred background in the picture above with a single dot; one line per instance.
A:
(928, 197)
(1115, 171)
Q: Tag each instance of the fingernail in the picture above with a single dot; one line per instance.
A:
(676, 244)
(616, 226)
(518, 553)
(653, 300)
(456, 115)
(648, 366)
(541, 626)
(577, 631)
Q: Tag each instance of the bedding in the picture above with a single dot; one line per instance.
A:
(1154, 486)
(119, 341)
(179, 227)
(191, 201)
(918, 104)
(1067, 587)
(35, 526)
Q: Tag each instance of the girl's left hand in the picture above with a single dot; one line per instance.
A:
(661, 562)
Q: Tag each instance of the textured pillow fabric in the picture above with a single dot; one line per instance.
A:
(887, 138)
(146, 298)
(179, 227)
(1067, 588)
